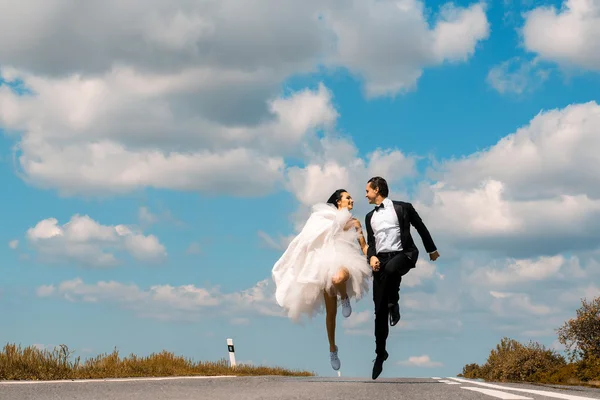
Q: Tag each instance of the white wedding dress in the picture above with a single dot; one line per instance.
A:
(315, 255)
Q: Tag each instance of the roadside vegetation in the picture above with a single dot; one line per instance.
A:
(512, 361)
(32, 363)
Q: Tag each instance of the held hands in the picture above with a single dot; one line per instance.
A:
(374, 263)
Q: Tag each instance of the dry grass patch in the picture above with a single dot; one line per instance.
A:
(31, 363)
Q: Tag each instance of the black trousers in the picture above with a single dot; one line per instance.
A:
(386, 292)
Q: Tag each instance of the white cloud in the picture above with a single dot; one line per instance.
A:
(388, 70)
(146, 217)
(108, 147)
(45, 290)
(425, 270)
(166, 302)
(517, 76)
(240, 321)
(194, 248)
(511, 304)
(185, 297)
(440, 309)
(168, 35)
(258, 299)
(573, 298)
(13, 244)
(86, 242)
(523, 271)
(421, 361)
(284, 39)
(412, 323)
(534, 192)
(539, 333)
(524, 298)
(160, 302)
(510, 12)
(541, 159)
(414, 328)
(334, 164)
(280, 243)
(424, 302)
(458, 31)
(175, 113)
(502, 294)
(358, 319)
(568, 36)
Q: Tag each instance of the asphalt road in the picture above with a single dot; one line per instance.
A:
(225, 388)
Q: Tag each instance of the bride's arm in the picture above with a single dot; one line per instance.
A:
(361, 239)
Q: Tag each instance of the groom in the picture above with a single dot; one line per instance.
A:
(391, 254)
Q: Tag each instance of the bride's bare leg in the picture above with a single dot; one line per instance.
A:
(330, 316)
(339, 281)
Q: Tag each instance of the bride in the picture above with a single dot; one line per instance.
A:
(322, 262)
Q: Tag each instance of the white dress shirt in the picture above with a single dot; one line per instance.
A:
(386, 228)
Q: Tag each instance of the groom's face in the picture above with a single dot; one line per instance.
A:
(371, 194)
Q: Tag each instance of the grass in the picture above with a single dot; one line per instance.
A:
(31, 363)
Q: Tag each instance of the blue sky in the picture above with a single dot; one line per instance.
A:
(153, 176)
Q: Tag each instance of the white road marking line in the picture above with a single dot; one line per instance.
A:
(447, 382)
(530, 391)
(435, 377)
(162, 378)
(497, 393)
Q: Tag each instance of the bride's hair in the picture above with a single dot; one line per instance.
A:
(336, 196)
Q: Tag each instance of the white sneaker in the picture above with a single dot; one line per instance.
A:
(346, 307)
(335, 361)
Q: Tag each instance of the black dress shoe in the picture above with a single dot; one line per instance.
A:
(394, 314)
(378, 365)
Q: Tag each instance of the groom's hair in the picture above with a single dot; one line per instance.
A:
(378, 182)
(336, 196)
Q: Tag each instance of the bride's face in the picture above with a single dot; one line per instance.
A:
(346, 201)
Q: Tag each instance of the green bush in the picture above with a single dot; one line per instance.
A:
(581, 337)
(472, 371)
(512, 361)
(588, 369)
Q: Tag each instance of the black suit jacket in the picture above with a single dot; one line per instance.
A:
(407, 216)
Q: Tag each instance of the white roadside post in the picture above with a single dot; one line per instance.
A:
(231, 350)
